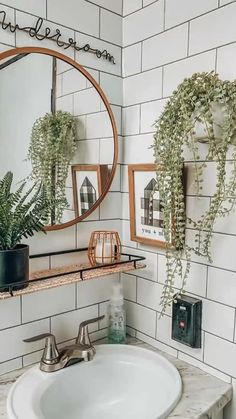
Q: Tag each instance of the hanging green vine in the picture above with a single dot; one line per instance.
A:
(53, 143)
(192, 104)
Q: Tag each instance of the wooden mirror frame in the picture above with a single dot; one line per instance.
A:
(79, 67)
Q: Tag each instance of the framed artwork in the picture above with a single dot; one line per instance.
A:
(146, 220)
(88, 183)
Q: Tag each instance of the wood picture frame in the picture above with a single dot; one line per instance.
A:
(94, 183)
(146, 224)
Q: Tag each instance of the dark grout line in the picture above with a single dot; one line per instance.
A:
(104, 8)
(207, 280)
(234, 332)
(193, 262)
(216, 60)
(140, 8)
(164, 23)
(176, 61)
(15, 24)
(188, 41)
(99, 23)
(141, 59)
(203, 345)
(135, 11)
(162, 81)
(214, 232)
(49, 317)
(76, 294)
(156, 326)
(143, 306)
(218, 337)
(140, 119)
(146, 103)
(21, 311)
(136, 294)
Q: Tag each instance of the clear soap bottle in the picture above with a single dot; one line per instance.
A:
(116, 316)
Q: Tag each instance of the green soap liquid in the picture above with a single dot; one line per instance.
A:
(116, 336)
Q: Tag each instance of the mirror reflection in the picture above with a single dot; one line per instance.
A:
(54, 129)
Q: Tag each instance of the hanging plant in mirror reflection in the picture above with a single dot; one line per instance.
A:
(52, 147)
(202, 109)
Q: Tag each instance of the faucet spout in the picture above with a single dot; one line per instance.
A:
(76, 353)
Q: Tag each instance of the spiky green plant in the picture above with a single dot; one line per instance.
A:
(21, 214)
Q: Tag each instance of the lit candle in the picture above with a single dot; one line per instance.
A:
(104, 252)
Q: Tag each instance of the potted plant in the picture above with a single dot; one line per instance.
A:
(53, 144)
(197, 100)
(21, 214)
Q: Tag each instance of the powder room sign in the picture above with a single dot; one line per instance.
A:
(41, 33)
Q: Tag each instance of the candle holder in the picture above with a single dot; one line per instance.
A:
(104, 247)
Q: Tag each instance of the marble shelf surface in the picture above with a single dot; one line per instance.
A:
(204, 396)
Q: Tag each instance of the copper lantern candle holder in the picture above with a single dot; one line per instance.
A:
(104, 247)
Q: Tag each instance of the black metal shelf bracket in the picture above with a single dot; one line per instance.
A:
(125, 258)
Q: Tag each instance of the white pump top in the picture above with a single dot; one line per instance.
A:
(117, 298)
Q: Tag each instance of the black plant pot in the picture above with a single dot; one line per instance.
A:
(14, 268)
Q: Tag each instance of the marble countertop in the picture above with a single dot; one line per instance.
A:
(204, 396)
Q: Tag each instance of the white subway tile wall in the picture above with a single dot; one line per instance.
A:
(114, 6)
(144, 23)
(130, 6)
(166, 47)
(202, 39)
(132, 59)
(176, 72)
(77, 14)
(61, 310)
(35, 7)
(111, 27)
(188, 10)
(190, 36)
(163, 42)
(226, 62)
(143, 87)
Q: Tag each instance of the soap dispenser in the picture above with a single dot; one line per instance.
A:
(116, 316)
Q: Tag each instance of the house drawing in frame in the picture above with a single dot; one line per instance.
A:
(88, 182)
(88, 195)
(146, 210)
(151, 206)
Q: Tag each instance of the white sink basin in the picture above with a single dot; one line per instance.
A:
(122, 382)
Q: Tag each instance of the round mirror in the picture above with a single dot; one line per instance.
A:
(56, 127)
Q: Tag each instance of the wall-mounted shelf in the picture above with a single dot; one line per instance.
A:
(52, 278)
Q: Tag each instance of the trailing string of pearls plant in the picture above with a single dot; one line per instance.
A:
(53, 144)
(195, 103)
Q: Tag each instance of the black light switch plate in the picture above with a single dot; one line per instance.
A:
(187, 321)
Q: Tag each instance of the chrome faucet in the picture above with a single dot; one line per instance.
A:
(54, 359)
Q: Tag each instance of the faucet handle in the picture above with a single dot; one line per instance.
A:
(83, 335)
(50, 353)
